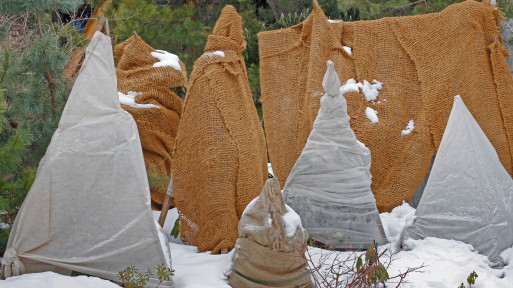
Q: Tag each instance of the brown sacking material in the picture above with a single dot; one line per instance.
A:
(423, 62)
(264, 256)
(157, 126)
(220, 161)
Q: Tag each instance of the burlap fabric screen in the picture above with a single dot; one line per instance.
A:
(423, 61)
(220, 161)
(264, 255)
(157, 127)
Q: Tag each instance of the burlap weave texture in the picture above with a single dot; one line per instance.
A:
(157, 126)
(220, 161)
(423, 62)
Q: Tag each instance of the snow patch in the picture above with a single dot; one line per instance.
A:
(371, 91)
(54, 280)
(348, 50)
(291, 221)
(129, 100)
(395, 221)
(372, 115)
(215, 53)
(166, 59)
(409, 128)
(351, 86)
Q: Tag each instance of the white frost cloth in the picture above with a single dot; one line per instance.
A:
(469, 194)
(329, 186)
(89, 207)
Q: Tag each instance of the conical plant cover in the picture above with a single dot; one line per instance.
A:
(329, 186)
(469, 194)
(89, 207)
(157, 126)
(220, 159)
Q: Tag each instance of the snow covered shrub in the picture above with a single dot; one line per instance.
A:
(131, 278)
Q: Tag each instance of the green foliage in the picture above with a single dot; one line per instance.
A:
(175, 30)
(34, 91)
(131, 278)
(373, 9)
(175, 231)
(471, 279)
(22, 6)
(291, 19)
(370, 271)
(158, 181)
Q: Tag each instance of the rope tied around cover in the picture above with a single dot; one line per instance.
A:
(11, 264)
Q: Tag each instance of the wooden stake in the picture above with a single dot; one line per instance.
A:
(168, 202)
(316, 4)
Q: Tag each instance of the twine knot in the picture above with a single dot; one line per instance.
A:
(11, 264)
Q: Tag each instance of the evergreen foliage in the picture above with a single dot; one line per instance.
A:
(33, 91)
(374, 9)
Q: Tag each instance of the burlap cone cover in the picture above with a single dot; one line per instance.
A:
(423, 61)
(157, 126)
(220, 161)
(264, 255)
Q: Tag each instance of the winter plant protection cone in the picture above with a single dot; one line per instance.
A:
(146, 78)
(330, 184)
(271, 239)
(89, 207)
(469, 194)
(220, 160)
(422, 61)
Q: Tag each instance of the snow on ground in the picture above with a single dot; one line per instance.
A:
(447, 263)
(54, 280)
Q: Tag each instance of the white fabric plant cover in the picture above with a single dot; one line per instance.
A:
(89, 207)
(329, 186)
(469, 194)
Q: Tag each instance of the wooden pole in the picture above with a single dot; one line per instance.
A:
(168, 202)
(316, 4)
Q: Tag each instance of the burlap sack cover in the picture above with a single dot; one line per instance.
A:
(264, 255)
(423, 61)
(220, 161)
(89, 207)
(157, 126)
(330, 184)
(468, 195)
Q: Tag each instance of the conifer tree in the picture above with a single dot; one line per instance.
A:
(35, 49)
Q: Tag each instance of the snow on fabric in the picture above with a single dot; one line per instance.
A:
(371, 91)
(348, 50)
(89, 207)
(166, 59)
(409, 127)
(469, 194)
(129, 99)
(372, 115)
(329, 186)
(351, 86)
(215, 53)
(265, 253)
